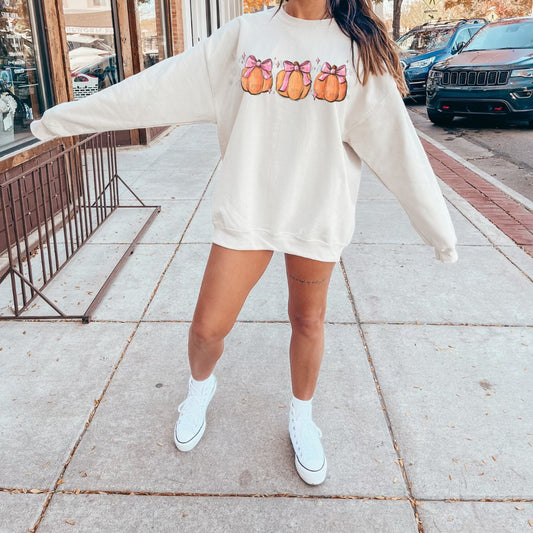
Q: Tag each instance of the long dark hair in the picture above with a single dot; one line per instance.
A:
(377, 51)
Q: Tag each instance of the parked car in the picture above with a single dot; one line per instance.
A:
(492, 76)
(424, 45)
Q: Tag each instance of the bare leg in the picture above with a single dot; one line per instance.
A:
(228, 278)
(308, 282)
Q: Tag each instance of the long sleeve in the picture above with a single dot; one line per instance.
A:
(385, 138)
(177, 90)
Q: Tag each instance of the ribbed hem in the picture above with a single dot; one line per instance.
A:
(446, 256)
(280, 242)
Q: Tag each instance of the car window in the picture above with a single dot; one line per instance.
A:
(474, 29)
(462, 36)
(502, 36)
(426, 40)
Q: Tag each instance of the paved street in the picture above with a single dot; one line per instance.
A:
(424, 399)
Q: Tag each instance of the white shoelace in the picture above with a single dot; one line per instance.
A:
(307, 432)
(194, 405)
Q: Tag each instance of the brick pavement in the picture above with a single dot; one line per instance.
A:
(510, 216)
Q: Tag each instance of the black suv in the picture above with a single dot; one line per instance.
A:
(424, 45)
(492, 75)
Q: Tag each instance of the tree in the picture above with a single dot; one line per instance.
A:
(396, 18)
(484, 8)
(414, 14)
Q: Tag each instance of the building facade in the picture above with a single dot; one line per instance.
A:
(55, 51)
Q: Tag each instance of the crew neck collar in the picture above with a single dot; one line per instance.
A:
(303, 22)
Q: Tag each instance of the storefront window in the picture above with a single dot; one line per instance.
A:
(22, 95)
(152, 23)
(91, 44)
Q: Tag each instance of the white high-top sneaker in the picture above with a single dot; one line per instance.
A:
(190, 425)
(309, 459)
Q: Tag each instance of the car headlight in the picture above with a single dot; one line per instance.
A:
(435, 74)
(422, 63)
(522, 73)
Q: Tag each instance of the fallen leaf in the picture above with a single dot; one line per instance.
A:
(71, 522)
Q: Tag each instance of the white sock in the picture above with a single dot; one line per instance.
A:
(202, 383)
(302, 407)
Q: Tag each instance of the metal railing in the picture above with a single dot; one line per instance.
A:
(50, 210)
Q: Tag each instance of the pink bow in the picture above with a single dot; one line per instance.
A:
(340, 72)
(304, 68)
(265, 66)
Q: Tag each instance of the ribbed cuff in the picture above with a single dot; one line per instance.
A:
(449, 255)
(40, 131)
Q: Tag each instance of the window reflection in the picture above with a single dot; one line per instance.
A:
(152, 28)
(20, 85)
(91, 44)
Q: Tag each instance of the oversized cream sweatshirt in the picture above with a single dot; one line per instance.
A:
(294, 125)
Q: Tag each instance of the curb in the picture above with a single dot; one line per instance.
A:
(508, 210)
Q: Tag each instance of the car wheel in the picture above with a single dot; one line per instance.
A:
(440, 119)
(531, 124)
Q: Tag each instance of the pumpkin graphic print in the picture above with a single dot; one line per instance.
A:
(330, 84)
(294, 81)
(256, 76)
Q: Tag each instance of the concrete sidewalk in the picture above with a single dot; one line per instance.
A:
(424, 399)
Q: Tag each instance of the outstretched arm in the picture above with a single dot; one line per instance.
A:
(386, 139)
(177, 90)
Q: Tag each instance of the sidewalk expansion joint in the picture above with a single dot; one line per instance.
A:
(418, 501)
(399, 460)
(475, 500)
(236, 495)
(59, 481)
(450, 324)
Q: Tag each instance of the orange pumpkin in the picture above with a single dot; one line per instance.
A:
(294, 80)
(256, 76)
(330, 84)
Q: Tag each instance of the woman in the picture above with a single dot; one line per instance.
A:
(300, 95)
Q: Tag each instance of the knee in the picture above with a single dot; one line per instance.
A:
(203, 333)
(307, 323)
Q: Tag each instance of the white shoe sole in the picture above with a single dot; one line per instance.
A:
(311, 477)
(190, 444)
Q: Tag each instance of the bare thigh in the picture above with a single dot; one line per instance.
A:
(308, 282)
(228, 278)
